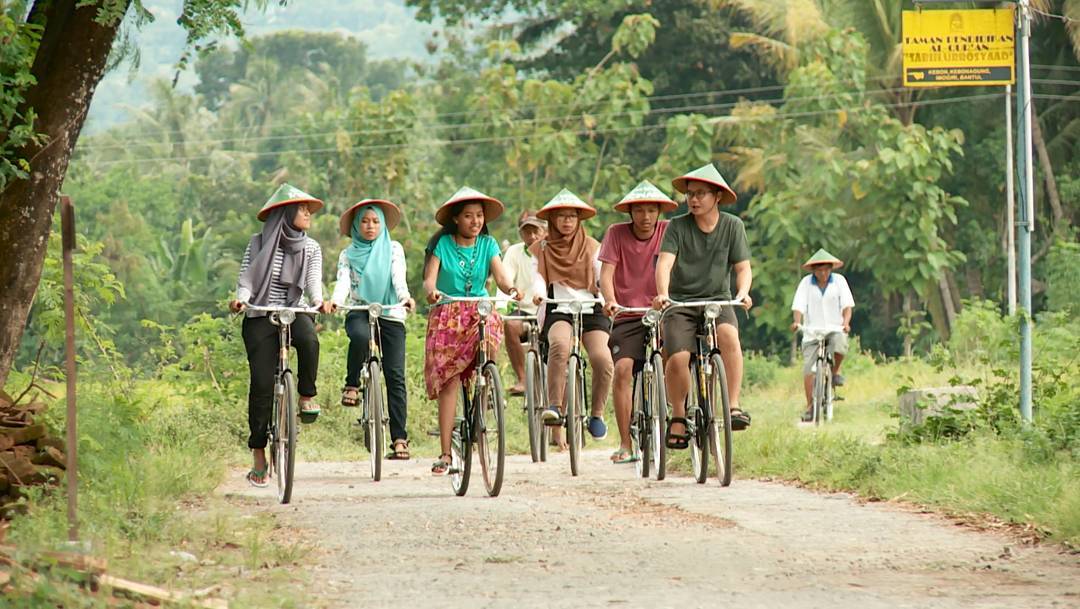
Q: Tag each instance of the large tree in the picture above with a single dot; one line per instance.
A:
(54, 53)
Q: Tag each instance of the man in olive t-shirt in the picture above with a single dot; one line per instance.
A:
(696, 257)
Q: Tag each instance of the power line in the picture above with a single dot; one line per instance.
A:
(582, 132)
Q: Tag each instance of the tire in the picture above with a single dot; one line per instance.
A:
(373, 408)
(819, 393)
(830, 392)
(696, 406)
(660, 416)
(461, 450)
(640, 443)
(534, 404)
(491, 430)
(284, 450)
(719, 432)
(573, 412)
(545, 430)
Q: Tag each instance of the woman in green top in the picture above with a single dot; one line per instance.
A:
(459, 259)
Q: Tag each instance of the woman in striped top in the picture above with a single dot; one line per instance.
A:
(282, 266)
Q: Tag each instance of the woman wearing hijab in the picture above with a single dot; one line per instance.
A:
(459, 259)
(282, 266)
(568, 268)
(372, 270)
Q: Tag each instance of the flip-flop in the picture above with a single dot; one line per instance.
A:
(440, 467)
(257, 473)
(623, 456)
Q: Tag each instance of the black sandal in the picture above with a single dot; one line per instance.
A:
(740, 419)
(399, 450)
(440, 467)
(678, 441)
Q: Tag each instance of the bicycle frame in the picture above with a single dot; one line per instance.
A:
(575, 371)
(822, 359)
(374, 310)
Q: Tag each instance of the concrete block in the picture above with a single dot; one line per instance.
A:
(918, 404)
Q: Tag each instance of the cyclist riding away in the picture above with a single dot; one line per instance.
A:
(460, 256)
(282, 266)
(568, 268)
(823, 299)
(372, 270)
(628, 279)
(697, 255)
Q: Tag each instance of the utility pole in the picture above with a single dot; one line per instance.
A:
(1026, 225)
(1010, 204)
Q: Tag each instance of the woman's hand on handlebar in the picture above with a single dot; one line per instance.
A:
(327, 307)
(515, 294)
(434, 296)
(410, 305)
(538, 300)
(236, 306)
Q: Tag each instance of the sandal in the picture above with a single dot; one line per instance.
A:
(740, 419)
(678, 441)
(308, 407)
(441, 467)
(350, 396)
(623, 456)
(258, 478)
(399, 450)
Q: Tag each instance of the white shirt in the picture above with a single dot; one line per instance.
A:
(521, 268)
(822, 307)
(343, 288)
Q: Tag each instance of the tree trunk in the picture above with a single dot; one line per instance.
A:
(908, 342)
(1047, 172)
(69, 63)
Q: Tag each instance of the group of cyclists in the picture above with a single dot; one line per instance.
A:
(644, 262)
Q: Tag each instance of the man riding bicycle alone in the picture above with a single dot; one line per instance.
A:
(822, 299)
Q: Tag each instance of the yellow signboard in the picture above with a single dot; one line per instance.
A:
(949, 48)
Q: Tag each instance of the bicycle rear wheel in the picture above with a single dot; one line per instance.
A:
(719, 432)
(284, 448)
(573, 412)
(534, 404)
(461, 447)
(819, 391)
(696, 405)
(640, 444)
(542, 396)
(659, 414)
(373, 408)
(490, 429)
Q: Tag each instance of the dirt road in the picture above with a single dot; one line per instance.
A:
(609, 539)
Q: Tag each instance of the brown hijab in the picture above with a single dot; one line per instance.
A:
(567, 260)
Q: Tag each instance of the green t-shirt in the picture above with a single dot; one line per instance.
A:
(702, 269)
(463, 271)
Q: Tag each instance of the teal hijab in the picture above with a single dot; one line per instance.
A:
(370, 261)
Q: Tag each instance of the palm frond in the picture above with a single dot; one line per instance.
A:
(778, 54)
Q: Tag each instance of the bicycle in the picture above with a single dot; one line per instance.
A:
(535, 387)
(374, 419)
(574, 418)
(480, 415)
(281, 433)
(710, 432)
(824, 394)
(649, 396)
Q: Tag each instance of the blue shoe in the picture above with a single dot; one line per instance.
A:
(551, 415)
(597, 428)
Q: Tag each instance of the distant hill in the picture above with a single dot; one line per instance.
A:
(386, 25)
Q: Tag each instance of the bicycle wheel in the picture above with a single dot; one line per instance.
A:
(573, 412)
(830, 391)
(659, 414)
(719, 432)
(534, 403)
(373, 408)
(696, 403)
(461, 448)
(284, 448)
(545, 430)
(640, 444)
(819, 391)
(490, 429)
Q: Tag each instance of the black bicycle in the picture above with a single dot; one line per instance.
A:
(535, 388)
(648, 415)
(708, 414)
(374, 419)
(574, 419)
(480, 416)
(281, 433)
(824, 394)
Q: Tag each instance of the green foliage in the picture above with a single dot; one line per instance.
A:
(1063, 277)
(16, 121)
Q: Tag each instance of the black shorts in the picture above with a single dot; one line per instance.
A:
(681, 328)
(628, 340)
(589, 323)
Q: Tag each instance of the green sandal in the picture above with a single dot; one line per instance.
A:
(258, 478)
(623, 456)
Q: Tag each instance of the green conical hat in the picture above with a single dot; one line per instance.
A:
(493, 208)
(287, 194)
(645, 192)
(823, 257)
(709, 175)
(567, 200)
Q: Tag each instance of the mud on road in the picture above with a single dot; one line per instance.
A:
(610, 539)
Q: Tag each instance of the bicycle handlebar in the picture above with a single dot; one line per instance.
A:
(582, 301)
(823, 329)
(278, 309)
(447, 299)
(703, 303)
(368, 306)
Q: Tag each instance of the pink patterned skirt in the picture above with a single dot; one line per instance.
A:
(452, 333)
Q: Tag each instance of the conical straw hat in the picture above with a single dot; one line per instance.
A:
(823, 257)
(493, 208)
(709, 175)
(287, 194)
(566, 200)
(646, 192)
(391, 211)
